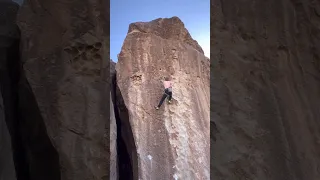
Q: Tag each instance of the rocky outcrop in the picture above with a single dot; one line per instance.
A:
(265, 90)
(166, 29)
(63, 89)
(173, 142)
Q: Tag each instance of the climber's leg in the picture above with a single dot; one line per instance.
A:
(169, 97)
(161, 101)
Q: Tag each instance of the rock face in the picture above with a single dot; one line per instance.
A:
(265, 90)
(64, 53)
(26, 151)
(113, 131)
(9, 39)
(173, 142)
(126, 149)
(113, 143)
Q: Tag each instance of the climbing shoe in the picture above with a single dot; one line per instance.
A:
(156, 107)
(169, 102)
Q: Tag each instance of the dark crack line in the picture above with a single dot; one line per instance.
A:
(75, 132)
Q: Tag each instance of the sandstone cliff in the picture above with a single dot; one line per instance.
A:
(173, 142)
(56, 95)
(265, 90)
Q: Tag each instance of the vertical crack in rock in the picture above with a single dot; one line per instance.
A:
(126, 149)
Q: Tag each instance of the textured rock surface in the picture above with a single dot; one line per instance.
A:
(33, 155)
(172, 142)
(113, 132)
(265, 94)
(64, 50)
(113, 143)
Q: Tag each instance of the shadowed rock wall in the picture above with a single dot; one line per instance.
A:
(265, 90)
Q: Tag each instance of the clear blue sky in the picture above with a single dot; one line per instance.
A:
(195, 14)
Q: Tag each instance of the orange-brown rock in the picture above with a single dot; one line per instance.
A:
(172, 142)
(265, 90)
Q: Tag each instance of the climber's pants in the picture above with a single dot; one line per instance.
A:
(166, 94)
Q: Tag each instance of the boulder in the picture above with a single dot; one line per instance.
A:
(265, 90)
(172, 142)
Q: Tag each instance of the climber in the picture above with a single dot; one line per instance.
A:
(167, 92)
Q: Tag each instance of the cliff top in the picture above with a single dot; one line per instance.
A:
(167, 28)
